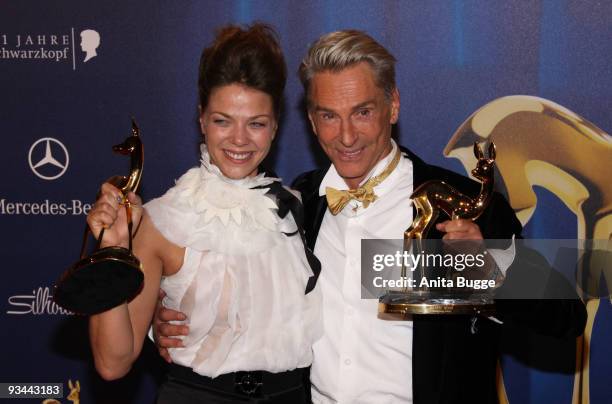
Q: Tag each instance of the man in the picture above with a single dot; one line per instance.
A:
(353, 103)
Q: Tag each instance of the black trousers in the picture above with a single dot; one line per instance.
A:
(182, 385)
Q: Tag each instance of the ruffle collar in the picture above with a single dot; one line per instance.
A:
(210, 194)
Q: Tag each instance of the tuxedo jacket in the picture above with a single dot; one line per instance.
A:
(455, 357)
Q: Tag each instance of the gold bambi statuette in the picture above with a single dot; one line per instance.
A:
(432, 199)
(111, 275)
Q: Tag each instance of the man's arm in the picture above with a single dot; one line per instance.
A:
(554, 313)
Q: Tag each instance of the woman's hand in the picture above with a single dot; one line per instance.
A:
(109, 212)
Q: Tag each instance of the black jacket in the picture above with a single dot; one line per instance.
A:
(451, 363)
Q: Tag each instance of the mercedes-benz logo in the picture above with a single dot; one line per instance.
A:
(46, 160)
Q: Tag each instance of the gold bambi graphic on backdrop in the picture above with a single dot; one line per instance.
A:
(111, 275)
(541, 143)
(73, 396)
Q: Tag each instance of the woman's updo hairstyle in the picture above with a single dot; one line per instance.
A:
(250, 56)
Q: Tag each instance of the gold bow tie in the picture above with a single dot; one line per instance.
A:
(337, 200)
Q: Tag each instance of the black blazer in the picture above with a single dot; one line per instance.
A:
(454, 360)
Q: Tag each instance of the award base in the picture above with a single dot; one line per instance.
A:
(107, 278)
(401, 305)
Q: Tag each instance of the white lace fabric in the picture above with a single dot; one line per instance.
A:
(242, 281)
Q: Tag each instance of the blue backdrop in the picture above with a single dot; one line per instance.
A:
(453, 57)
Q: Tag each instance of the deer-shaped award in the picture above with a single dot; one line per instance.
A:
(111, 275)
(431, 199)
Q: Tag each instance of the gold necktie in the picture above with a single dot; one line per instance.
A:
(337, 200)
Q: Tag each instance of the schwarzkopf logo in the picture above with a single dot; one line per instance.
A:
(48, 158)
(90, 41)
(51, 47)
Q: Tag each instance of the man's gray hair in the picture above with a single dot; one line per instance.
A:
(341, 49)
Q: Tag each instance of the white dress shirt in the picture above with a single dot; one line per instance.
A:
(360, 358)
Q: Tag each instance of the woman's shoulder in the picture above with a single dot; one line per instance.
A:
(148, 239)
(170, 214)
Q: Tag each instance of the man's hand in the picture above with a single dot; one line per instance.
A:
(166, 334)
(463, 236)
(460, 229)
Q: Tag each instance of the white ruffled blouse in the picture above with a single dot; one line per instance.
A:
(243, 278)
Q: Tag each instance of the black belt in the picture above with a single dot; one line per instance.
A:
(251, 384)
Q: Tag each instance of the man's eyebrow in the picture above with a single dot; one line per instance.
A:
(364, 104)
(319, 108)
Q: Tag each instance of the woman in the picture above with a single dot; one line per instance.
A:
(223, 246)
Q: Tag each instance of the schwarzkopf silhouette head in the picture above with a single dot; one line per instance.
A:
(90, 40)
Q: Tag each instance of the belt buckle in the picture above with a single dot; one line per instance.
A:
(248, 383)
